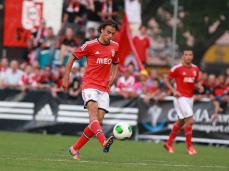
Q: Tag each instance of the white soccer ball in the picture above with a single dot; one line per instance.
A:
(122, 130)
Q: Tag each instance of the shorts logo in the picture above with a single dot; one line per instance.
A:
(89, 95)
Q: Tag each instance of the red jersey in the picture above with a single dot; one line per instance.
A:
(185, 78)
(99, 60)
(141, 43)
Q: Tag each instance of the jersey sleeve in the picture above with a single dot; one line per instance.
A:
(115, 59)
(172, 73)
(81, 51)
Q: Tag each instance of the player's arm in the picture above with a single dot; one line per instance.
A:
(76, 55)
(67, 71)
(114, 74)
(198, 83)
(114, 68)
(170, 87)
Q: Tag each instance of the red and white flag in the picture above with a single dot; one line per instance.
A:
(20, 17)
(23, 16)
(126, 45)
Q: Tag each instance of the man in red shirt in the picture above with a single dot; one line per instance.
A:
(100, 74)
(186, 76)
(142, 44)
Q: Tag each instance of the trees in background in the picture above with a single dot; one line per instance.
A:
(199, 24)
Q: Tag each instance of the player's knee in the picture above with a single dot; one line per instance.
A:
(100, 119)
(181, 122)
(92, 108)
(93, 116)
(189, 122)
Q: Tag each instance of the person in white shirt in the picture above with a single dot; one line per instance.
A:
(126, 83)
(12, 75)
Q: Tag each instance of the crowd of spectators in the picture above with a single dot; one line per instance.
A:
(146, 84)
(48, 53)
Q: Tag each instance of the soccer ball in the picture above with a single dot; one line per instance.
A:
(122, 130)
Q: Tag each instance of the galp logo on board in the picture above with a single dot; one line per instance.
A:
(32, 14)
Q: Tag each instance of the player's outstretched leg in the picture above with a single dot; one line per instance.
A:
(96, 129)
(168, 145)
(84, 138)
(188, 135)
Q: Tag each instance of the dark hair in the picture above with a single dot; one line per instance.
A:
(188, 49)
(111, 23)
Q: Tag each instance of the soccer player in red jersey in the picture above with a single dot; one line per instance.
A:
(186, 78)
(100, 74)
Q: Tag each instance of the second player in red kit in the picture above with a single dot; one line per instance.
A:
(186, 77)
(100, 74)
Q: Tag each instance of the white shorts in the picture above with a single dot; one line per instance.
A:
(183, 107)
(101, 97)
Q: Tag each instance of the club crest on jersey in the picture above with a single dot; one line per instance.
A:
(112, 53)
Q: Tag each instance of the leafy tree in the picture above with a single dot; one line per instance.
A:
(199, 17)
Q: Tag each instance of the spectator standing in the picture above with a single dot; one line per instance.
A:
(74, 15)
(73, 12)
(142, 44)
(109, 10)
(68, 44)
(93, 15)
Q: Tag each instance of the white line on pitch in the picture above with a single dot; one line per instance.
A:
(160, 163)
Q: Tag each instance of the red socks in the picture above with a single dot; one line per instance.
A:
(93, 128)
(188, 135)
(174, 132)
(87, 134)
(96, 129)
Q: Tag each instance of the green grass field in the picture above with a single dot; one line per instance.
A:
(35, 152)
